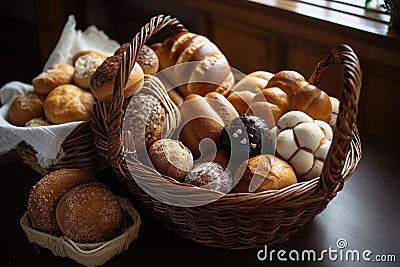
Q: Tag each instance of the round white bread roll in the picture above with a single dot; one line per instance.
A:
(303, 142)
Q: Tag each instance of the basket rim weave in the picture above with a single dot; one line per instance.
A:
(342, 159)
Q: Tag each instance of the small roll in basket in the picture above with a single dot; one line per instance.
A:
(236, 220)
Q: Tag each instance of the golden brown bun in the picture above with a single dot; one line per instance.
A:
(56, 75)
(204, 117)
(25, 107)
(264, 172)
(89, 213)
(244, 91)
(102, 81)
(287, 91)
(170, 157)
(45, 195)
(214, 71)
(85, 63)
(68, 103)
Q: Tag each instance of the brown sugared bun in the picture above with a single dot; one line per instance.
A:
(25, 107)
(102, 81)
(68, 103)
(89, 213)
(45, 195)
(264, 172)
(147, 58)
(56, 75)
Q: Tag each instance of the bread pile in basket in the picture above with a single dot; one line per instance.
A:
(228, 125)
(201, 132)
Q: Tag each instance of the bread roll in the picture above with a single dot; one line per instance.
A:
(170, 157)
(244, 91)
(36, 122)
(210, 70)
(303, 142)
(56, 75)
(68, 103)
(245, 137)
(287, 91)
(86, 63)
(45, 195)
(210, 175)
(89, 213)
(147, 58)
(102, 81)
(150, 113)
(25, 107)
(204, 117)
(263, 172)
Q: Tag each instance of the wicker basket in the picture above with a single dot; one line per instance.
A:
(246, 220)
(88, 254)
(80, 152)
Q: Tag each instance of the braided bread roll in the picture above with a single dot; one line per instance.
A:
(210, 70)
(287, 91)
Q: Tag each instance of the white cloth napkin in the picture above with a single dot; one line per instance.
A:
(47, 140)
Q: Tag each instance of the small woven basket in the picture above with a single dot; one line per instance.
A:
(245, 220)
(80, 152)
(88, 254)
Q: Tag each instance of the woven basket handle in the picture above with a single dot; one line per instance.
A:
(107, 123)
(331, 177)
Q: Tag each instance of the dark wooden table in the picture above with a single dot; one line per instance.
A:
(365, 213)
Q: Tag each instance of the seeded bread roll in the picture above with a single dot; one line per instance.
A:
(68, 103)
(170, 157)
(89, 213)
(45, 195)
(25, 107)
(56, 75)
